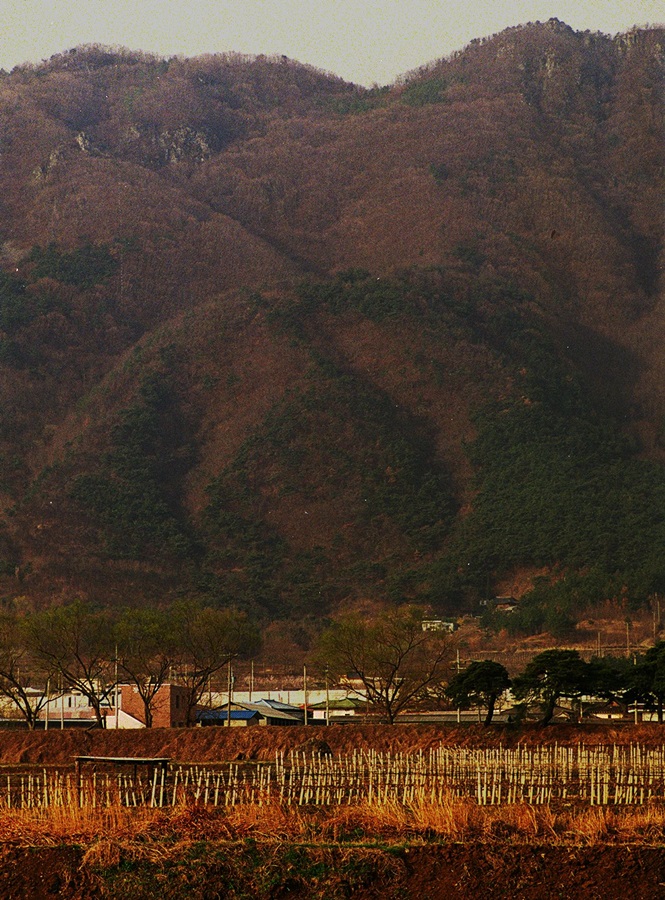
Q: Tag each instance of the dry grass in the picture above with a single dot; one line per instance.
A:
(147, 830)
(62, 824)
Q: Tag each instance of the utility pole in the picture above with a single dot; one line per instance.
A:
(304, 682)
(228, 717)
(656, 618)
(654, 624)
(117, 692)
(459, 711)
(251, 680)
(327, 699)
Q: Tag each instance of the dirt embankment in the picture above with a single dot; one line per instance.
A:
(274, 870)
(220, 744)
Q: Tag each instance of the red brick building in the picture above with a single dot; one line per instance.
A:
(169, 709)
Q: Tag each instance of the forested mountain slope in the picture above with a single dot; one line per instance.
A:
(278, 341)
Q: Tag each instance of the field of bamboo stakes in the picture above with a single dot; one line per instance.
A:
(580, 775)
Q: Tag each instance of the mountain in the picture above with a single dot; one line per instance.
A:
(278, 341)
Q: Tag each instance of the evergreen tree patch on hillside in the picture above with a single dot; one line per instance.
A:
(337, 443)
(83, 268)
(559, 485)
(135, 492)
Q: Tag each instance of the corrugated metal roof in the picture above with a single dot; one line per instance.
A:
(346, 703)
(223, 714)
(276, 704)
(268, 711)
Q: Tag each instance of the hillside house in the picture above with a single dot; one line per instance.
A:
(500, 604)
(444, 625)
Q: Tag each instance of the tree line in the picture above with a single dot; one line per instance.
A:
(79, 648)
(401, 665)
(398, 663)
(556, 675)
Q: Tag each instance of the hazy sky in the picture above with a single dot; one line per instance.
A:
(365, 41)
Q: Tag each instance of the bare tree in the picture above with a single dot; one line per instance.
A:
(76, 642)
(207, 640)
(146, 653)
(392, 656)
(21, 672)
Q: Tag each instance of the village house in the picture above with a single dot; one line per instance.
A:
(169, 709)
(444, 625)
(263, 712)
(243, 718)
(343, 708)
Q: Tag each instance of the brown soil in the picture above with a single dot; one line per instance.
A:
(220, 744)
(442, 872)
(461, 871)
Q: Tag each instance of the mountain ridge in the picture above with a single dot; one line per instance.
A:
(261, 329)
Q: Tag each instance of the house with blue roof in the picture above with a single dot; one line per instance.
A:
(239, 717)
(263, 712)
